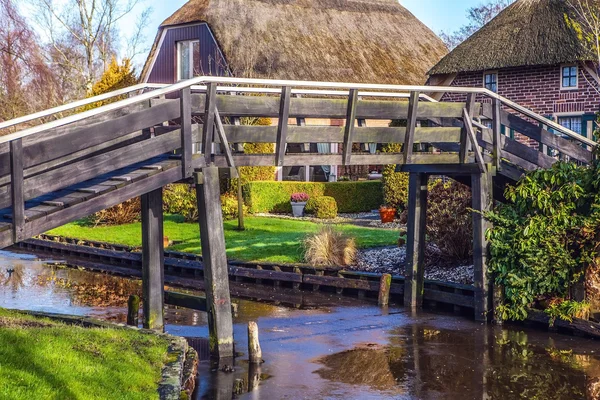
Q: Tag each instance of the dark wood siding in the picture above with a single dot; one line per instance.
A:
(211, 60)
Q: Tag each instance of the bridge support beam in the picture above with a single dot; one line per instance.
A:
(415, 240)
(216, 276)
(153, 260)
(482, 200)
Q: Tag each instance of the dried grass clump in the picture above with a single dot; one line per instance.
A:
(329, 247)
(125, 213)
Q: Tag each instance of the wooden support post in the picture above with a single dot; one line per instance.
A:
(349, 128)
(185, 101)
(463, 152)
(282, 125)
(415, 240)
(481, 189)
(216, 276)
(153, 260)
(411, 126)
(254, 350)
(16, 186)
(209, 121)
(543, 148)
(240, 199)
(384, 289)
(133, 310)
(496, 134)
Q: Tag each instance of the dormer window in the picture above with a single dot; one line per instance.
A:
(188, 59)
(569, 74)
(490, 81)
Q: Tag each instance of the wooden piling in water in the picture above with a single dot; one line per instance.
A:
(415, 240)
(384, 289)
(481, 191)
(216, 273)
(254, 350)
(133, 310)
(153, 260)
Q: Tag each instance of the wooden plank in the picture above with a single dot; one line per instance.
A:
(282, 125)
(411, 125)
(209, 121)
(216, 276)
(415, 240)
(185, 300)
(336, 159)
(334, 134)
(335, 108)
(79, 139)
(153, 280)
(441, 169)
(464, 139)
(17, 184)
(345, 283)
(101, 202)
(5, 226)
(515, 149)
(185, 108)
(224, 142)
(541, 135)
(264, 274)
(481, 189)
(473, 140)
(496, 134)
(448, 298)
(349, 127)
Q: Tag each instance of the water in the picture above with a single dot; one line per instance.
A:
(349, 352)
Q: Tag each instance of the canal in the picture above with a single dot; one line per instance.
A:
(354, 351)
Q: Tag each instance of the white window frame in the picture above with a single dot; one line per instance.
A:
(562, 67)
(497, 79)
(190, 56)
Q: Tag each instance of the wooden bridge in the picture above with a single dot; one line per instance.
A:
(52, 173)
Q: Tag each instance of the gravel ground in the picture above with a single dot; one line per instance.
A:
(392, 259)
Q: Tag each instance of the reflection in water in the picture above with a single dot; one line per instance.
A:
(424, 363)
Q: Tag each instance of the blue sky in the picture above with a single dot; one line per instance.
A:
(438, 15)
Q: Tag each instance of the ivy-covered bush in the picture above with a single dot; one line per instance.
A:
(181, 199)
(322, 207)
(351, 197)
(229, 204)
(545, 237)
(395, 184)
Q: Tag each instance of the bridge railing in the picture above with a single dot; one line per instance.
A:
(159, 119)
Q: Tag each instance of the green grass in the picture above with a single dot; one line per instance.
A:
(265, 239)
(42, 359)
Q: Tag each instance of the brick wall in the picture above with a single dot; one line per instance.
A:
(536, 88)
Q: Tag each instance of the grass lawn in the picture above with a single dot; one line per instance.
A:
(43, 359)
(265, 239)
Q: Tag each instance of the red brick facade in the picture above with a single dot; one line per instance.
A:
(538, 88)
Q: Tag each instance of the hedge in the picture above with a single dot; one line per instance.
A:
(351, 197)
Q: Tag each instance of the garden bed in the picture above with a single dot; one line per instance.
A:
(64, 357)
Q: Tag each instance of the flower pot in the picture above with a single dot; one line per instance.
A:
(298, 208)
(387, 215)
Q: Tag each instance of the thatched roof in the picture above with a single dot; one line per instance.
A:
(528, 32)
(323, 40)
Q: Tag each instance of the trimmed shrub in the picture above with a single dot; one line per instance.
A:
(124, 213)
(395, 184)
(229, 204)
(329, 248)
(351, 197)
(322, 207)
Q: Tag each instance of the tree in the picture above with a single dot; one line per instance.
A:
(84, 37)
(478, 17)
(585, 20)
(27, 83)
(117, 76)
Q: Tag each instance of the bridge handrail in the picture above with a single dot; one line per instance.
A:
(168, 89)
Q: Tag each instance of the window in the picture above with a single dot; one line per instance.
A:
(188, 59)
(569, 77)
(490, 81)
(572, 123)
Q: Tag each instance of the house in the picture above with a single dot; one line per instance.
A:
(374, 41)
(531, 54)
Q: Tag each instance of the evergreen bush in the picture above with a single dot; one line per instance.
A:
(322, 207)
